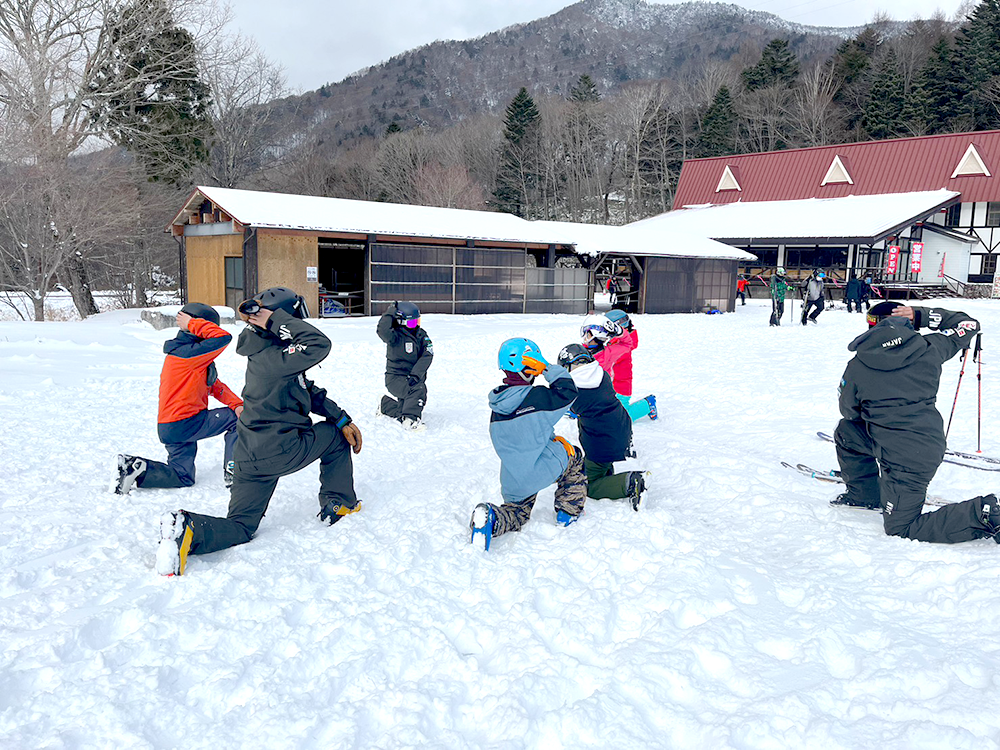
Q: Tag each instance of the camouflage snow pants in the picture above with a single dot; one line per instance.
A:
(571, 492)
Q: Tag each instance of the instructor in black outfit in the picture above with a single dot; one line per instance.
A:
(408, 355)
(891, 439)
(277, 436)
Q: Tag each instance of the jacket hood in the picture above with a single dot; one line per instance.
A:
(890, 345)
(183, 338)
(505, 399)
(588, 376)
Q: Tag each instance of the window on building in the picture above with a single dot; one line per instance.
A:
(953, 215)
(990, 264)
(993, 214)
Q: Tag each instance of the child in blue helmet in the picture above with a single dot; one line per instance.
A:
(531, 455)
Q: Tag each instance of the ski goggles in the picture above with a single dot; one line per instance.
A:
(412, 323)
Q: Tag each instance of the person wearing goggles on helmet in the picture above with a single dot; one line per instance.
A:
(408, 355)
(779, 290)
(277, 436)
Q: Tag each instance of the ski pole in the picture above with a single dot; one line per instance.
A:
(978, 356)
(965, 356)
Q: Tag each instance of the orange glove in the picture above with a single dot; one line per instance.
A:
(533, 366)
(570, 451)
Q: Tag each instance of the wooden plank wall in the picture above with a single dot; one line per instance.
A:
(206, 269)
(282, 259)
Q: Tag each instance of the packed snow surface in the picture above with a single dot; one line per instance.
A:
(736, 609)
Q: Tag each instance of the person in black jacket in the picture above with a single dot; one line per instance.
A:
(408, 355)
(605, 429)
(277, 437)
(891, 439)
(852, 294)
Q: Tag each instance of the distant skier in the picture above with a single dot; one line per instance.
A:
(742, 288)
(408, 355)
(531, 455)
(277, 434)
(865, 294)
(891, 439)
(813, 297)
(620, 368)
(852, 293)
(605, 429)
(187, 379)
(779, 289)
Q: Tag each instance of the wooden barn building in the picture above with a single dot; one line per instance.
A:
(950, 244)
(355, 257)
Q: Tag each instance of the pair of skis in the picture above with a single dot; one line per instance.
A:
(968, 460)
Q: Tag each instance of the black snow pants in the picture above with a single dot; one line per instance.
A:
(816, 305)
(254, 483)
(901, 490)
(412, 398)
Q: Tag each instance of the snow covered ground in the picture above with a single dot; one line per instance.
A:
(737, 609)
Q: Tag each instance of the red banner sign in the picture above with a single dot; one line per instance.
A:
(941, 271)
(916, 256)
(893, 264)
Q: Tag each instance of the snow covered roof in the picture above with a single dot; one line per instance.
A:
(652, 239)
(854, 218)
(317, 214)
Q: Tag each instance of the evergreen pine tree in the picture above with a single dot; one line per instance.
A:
(585, 90)
(159, 111)
(518, 174)
(777, 67)
(718, 127)
(882, 111)
(978, 64)
(943, 89)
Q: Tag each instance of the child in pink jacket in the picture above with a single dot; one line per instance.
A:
(611, 338)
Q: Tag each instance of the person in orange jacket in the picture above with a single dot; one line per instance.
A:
(742, 288)
(187, 379)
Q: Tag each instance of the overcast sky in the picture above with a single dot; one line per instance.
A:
(319, 41)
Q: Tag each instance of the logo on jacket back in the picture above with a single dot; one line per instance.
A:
(283, 333)
(893, 342)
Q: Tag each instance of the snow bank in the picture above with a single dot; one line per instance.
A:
(735, 610)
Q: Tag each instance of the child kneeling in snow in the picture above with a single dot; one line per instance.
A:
(605, 429)
(611, 338)
(187, 380)
(531, 456)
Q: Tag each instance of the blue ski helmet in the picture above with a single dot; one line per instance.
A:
(280, 298)
(201, 310)
(510, 358)
(620, 317)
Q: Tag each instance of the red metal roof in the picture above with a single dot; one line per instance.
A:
(902, 165)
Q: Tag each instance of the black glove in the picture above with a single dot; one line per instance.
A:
(412, 380)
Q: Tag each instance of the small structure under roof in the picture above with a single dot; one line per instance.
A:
(355, 257)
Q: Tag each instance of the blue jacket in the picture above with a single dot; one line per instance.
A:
(521, 428)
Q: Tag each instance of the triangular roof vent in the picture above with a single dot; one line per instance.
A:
(730, 179)
(972, 164)
(837, 173)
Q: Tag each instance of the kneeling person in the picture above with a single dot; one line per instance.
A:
(277, 437)
(531, 455)
(605, 429)
(408, 355)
